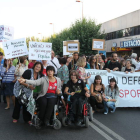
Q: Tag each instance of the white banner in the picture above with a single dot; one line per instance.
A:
(129, 85)
(40, 51)
(15, 48)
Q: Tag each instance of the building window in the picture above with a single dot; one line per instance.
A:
(136, 30)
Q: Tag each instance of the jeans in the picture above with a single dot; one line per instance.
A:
(109, 105)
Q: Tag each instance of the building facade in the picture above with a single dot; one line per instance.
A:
(123, 34)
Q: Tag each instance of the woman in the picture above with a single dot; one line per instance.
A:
(8, 81)
(63, 73)
(87, 66)
(31, 64)
(37, 74)
(100, 61)
(111, 96)
(97, 88)
(77, 91)
(122, 63)
(50, 87)
(128, 67)
(93, 63)
(44, 62)
(21, 67)
(81, 70)
(68, 60)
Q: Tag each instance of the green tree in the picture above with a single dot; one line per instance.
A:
(82, 30)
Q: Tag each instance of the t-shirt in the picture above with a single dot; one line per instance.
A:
(77, 87)
(112, 65)
(52, 87)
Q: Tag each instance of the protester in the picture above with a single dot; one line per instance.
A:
(133, 59)
(8, 81)
(21, 67)
(50, 87)
(63, 73)
(68, 60)
(94, 63)
(111, 96)
(77, 91)
(1, 66)
(97, 91)
(122, 63)
(31, 64)
(44, 62)
(100, 62)
(72, 64)
(87, 66)
(81, 70)
(113, 64)
(54, 62)
(37, 74)
(128, 67)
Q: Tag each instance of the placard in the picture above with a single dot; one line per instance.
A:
(73, 47)
(65, 51)
(98, 44)
(15, 48)
(40, 50)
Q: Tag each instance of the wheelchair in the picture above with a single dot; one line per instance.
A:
(87, 114)
(54, 121)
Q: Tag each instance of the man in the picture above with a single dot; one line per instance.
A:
(72, 64)
(54, 62)
(133, 58)
(1, 65)
(113, 64)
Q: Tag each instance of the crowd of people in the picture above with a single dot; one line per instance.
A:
(66, 75)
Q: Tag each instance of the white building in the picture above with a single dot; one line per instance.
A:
(123, 32)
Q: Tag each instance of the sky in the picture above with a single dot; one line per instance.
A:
(31, 17)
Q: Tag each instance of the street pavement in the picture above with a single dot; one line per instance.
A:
(123, 124)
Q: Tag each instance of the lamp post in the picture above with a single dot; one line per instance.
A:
(82, 7)
(53, 26)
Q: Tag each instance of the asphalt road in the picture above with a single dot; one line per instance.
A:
(124, 124)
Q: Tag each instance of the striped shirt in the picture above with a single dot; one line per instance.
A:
(8, 76)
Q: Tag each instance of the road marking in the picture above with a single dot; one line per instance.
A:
(100, 131)
(115, 135)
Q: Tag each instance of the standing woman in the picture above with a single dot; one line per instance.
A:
(93, 62)
(97, 88)
(47, 98)
(8, 81)
(81, 70)
(111, 96)
(37, 73)
(21, 67)
(63, 74)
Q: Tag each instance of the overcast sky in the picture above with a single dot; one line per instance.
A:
(30, 17)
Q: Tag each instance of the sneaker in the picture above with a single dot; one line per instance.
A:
(79, 123)
(113, 110)
(69, 122)
(105, 113)
(47, 123)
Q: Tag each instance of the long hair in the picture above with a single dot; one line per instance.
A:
(91, 62)
(40, 72)
(5, 63)
(96, 78)
(113, 80)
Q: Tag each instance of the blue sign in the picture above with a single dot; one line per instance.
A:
(130, 43)
(104, 52)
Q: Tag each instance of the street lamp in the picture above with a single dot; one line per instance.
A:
(53, 26)
(82, 7)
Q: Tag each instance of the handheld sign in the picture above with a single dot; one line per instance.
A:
(15, 48)
(73, 47)
(40, 51)
(98, 44)
(65, 48)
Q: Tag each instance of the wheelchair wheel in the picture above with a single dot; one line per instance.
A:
(56, 124)
(86, 122)
(64, 121)
(90, 114)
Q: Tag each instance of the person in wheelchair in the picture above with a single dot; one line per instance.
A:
(50, 88)
(77, 91)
